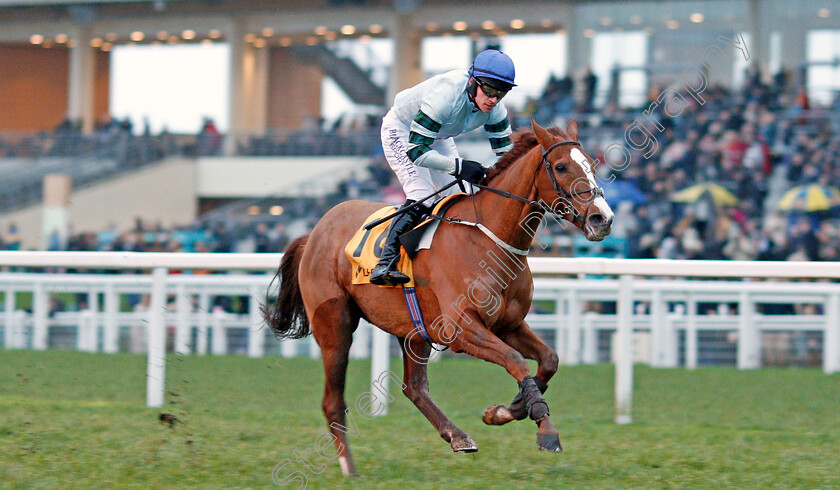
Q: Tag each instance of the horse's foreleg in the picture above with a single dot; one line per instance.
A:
(479, 342)
(527, 343)
(415, 357)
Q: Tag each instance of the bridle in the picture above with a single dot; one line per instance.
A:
(563, 195)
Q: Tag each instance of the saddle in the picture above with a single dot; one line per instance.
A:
(364, 248)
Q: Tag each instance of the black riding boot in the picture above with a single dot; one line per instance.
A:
(385, 273)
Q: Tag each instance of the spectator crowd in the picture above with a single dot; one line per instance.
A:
(756, 141)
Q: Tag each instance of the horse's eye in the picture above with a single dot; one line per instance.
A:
(560, 167)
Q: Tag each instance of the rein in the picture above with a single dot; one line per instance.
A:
(561, 193)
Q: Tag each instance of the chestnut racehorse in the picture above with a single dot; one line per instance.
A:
(474, 281)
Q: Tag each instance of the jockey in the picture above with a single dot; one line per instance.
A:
(417, 140)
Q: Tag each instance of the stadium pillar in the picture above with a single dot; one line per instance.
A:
(248, 88)
(406, 70)
(55, 219)
(579, 47)
(760, 37)
(793, 51)
(81, 84)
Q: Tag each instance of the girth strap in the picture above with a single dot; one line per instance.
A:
(498, 241)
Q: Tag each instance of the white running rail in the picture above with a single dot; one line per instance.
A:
(568, 294)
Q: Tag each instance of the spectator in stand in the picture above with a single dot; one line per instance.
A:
(12, 240)
(209, 139)
(590, 83)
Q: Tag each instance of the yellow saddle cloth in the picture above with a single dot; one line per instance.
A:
(364, 248)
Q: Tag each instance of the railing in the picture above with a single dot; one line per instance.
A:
(672, 325)
(670, 320)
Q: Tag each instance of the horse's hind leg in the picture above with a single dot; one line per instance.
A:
(332, 325)
(527, 343)
(416, 388)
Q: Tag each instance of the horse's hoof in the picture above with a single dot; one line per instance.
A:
(347, 466)
(549, 442)
(463, 445)
(497, 415)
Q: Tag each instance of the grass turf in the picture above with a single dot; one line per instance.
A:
(78, 420)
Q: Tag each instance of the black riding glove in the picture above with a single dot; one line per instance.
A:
(469, 170)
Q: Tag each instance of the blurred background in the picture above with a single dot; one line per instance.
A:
(232, 126)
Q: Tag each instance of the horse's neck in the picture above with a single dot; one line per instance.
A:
(510, 219)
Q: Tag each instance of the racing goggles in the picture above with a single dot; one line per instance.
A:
(489, 90)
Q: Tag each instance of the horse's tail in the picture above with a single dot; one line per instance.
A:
(287, 316)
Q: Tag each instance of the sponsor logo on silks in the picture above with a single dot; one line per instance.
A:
(362, 272)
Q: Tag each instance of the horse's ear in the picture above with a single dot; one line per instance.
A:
(571, 129)
(543, 137)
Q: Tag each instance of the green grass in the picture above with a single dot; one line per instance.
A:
(79, 420)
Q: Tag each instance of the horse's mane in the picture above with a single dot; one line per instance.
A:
(523, 141)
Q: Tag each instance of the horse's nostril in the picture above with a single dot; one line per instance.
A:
(598, 222)
(595, 220)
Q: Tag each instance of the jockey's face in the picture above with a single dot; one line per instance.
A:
(484, 102)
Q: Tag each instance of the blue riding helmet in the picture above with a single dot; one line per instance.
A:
(493, 65)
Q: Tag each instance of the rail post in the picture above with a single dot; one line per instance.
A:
(658, 330)
(9, 319)
(203, 323)
(624, 344)
(360, 348)
(86, 332)
(156, 362)
(749, 337)
(691, 332)
(218, 343)
(40, 311)
(831, 337)
(590, 338)
(183, 326)
(256, 328)
(573, 329)
(110, 327)
(380, 359)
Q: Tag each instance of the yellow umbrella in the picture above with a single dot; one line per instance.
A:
(810, 197)
(720, 195)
